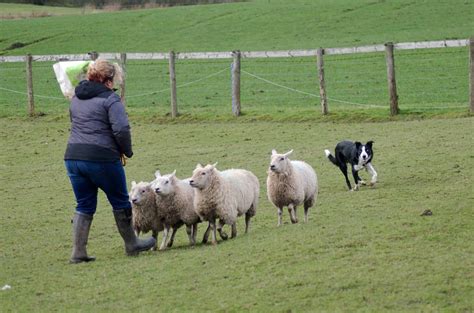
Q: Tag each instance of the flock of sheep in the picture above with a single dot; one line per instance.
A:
(219, 198)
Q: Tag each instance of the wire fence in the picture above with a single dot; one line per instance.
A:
(427, 80)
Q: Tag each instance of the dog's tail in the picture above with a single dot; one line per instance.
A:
(330, 157)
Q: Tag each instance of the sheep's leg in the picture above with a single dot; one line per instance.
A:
(292, 211)
(206, 234)
(306, 209)
(247, 222)
(194, 228)
(212, 223)
(170, 242)
(189, 231)
(154, 234)
(222, 232)
(234, 230)
(166, 230)
(280, 213)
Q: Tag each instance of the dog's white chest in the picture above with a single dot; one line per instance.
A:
(363, 158)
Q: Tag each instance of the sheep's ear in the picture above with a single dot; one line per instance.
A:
(134, 183)
(213, 166)
(198, 165)
(157, 174)
(274, 152)
(289, 152)
(173, 174)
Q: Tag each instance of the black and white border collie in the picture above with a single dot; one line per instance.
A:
(358, 155)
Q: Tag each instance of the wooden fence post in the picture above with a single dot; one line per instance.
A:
(236, 83)
(123, 65)
(29, 85)
(322, 84)
(471, 73)
(392, 84)
(174, 104)
(94, 55)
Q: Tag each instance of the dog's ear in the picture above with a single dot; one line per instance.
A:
(369, 143)
(358, 144)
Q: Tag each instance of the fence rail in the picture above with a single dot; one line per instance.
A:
(244, 54)
(237, 57)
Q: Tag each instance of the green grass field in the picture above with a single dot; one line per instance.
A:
(430, 82)
(253, 25)
(366, 251)
(361, 251)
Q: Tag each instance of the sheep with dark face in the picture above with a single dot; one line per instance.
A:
(224, 196)
(175, 207)
(144, 210)
(291, 183)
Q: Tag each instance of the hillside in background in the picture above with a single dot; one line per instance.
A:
(118, 3)
(256, 25)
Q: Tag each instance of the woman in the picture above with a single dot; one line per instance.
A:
(100, 136)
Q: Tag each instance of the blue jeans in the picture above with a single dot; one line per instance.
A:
(88, 176)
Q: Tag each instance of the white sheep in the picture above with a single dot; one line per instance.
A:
(224, 196)
(144, 210)
(291, 183)
(175, 204)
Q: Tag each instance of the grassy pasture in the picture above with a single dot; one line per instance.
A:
(253, 25)
(430, 82)
(361, 251)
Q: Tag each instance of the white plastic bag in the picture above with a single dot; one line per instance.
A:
(69, 74)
